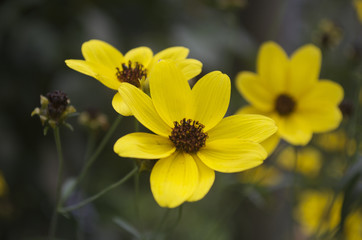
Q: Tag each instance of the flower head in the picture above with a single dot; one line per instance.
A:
(192, 139)
(112, 68)
(54, 110)
(317, 211)
(288, 90)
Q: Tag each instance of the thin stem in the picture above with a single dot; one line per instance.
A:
(162, 222)
(137, 192)
(99, 148)
(101, 193)
(275, 27)
(179, 216)
(94, 156)
(53, 224)
(294, 190)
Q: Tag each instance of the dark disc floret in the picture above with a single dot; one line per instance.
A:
(58, 102)
(131, 74)
(284, 104)
(188, 135)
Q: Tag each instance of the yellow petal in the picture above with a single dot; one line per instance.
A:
(142, 108)
(211, 95)
(254, 91)
(120, 106)
(142, 55)
(271, 143)
(172, 53)
(174, 179)
(294, 130)
(272, 67)
(190, 67)
(100, 52)
(80, 66)
(321, 118)
(143, 145)
(104, 74)
(232, 155)
(304, 69)
(250, 127)
(248, 109)
(170, 92)
(206, 180)
(323, 92)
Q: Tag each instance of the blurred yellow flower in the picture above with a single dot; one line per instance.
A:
(337, 141)
(328, 35)
(318, 212)
(106, 64)
(358, 6)
(288, 91)
(309, 160)
(263, 175)
(3, 185)
(353, 225)
(192, 139)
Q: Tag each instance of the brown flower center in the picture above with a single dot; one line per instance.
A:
(58, 102)
(188, 135)
(131, 73)
(284, 104)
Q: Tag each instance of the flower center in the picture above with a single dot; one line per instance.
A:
(284, 104)
(58, 102)
(188, 135)
(131, 74)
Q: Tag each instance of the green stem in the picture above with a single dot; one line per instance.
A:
(99, 149)
(53, 224)
(101, 193)
(179, 216)
(94, 156)
(162, 222)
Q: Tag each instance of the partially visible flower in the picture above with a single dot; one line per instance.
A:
(267, 176)
(328, 34)
(318, 212)
(3, 185)
(358, 6)
(106, 64)
(353, 225)
(192, 139)
(54, 110)
(288, 91)
(93, 119)
(337, 141)
(332, 141)
(308, 160)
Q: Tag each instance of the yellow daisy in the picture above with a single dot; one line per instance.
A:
(192, 139)
(288, 90)
(106, 64)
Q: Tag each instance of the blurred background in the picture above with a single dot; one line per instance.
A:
(36, 36)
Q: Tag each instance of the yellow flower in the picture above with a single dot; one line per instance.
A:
(288, 91)
(192, 139)
(309, 160)
(111, 68)
(267, 176)
(317, 212)
(358, 6)
(353, 225)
